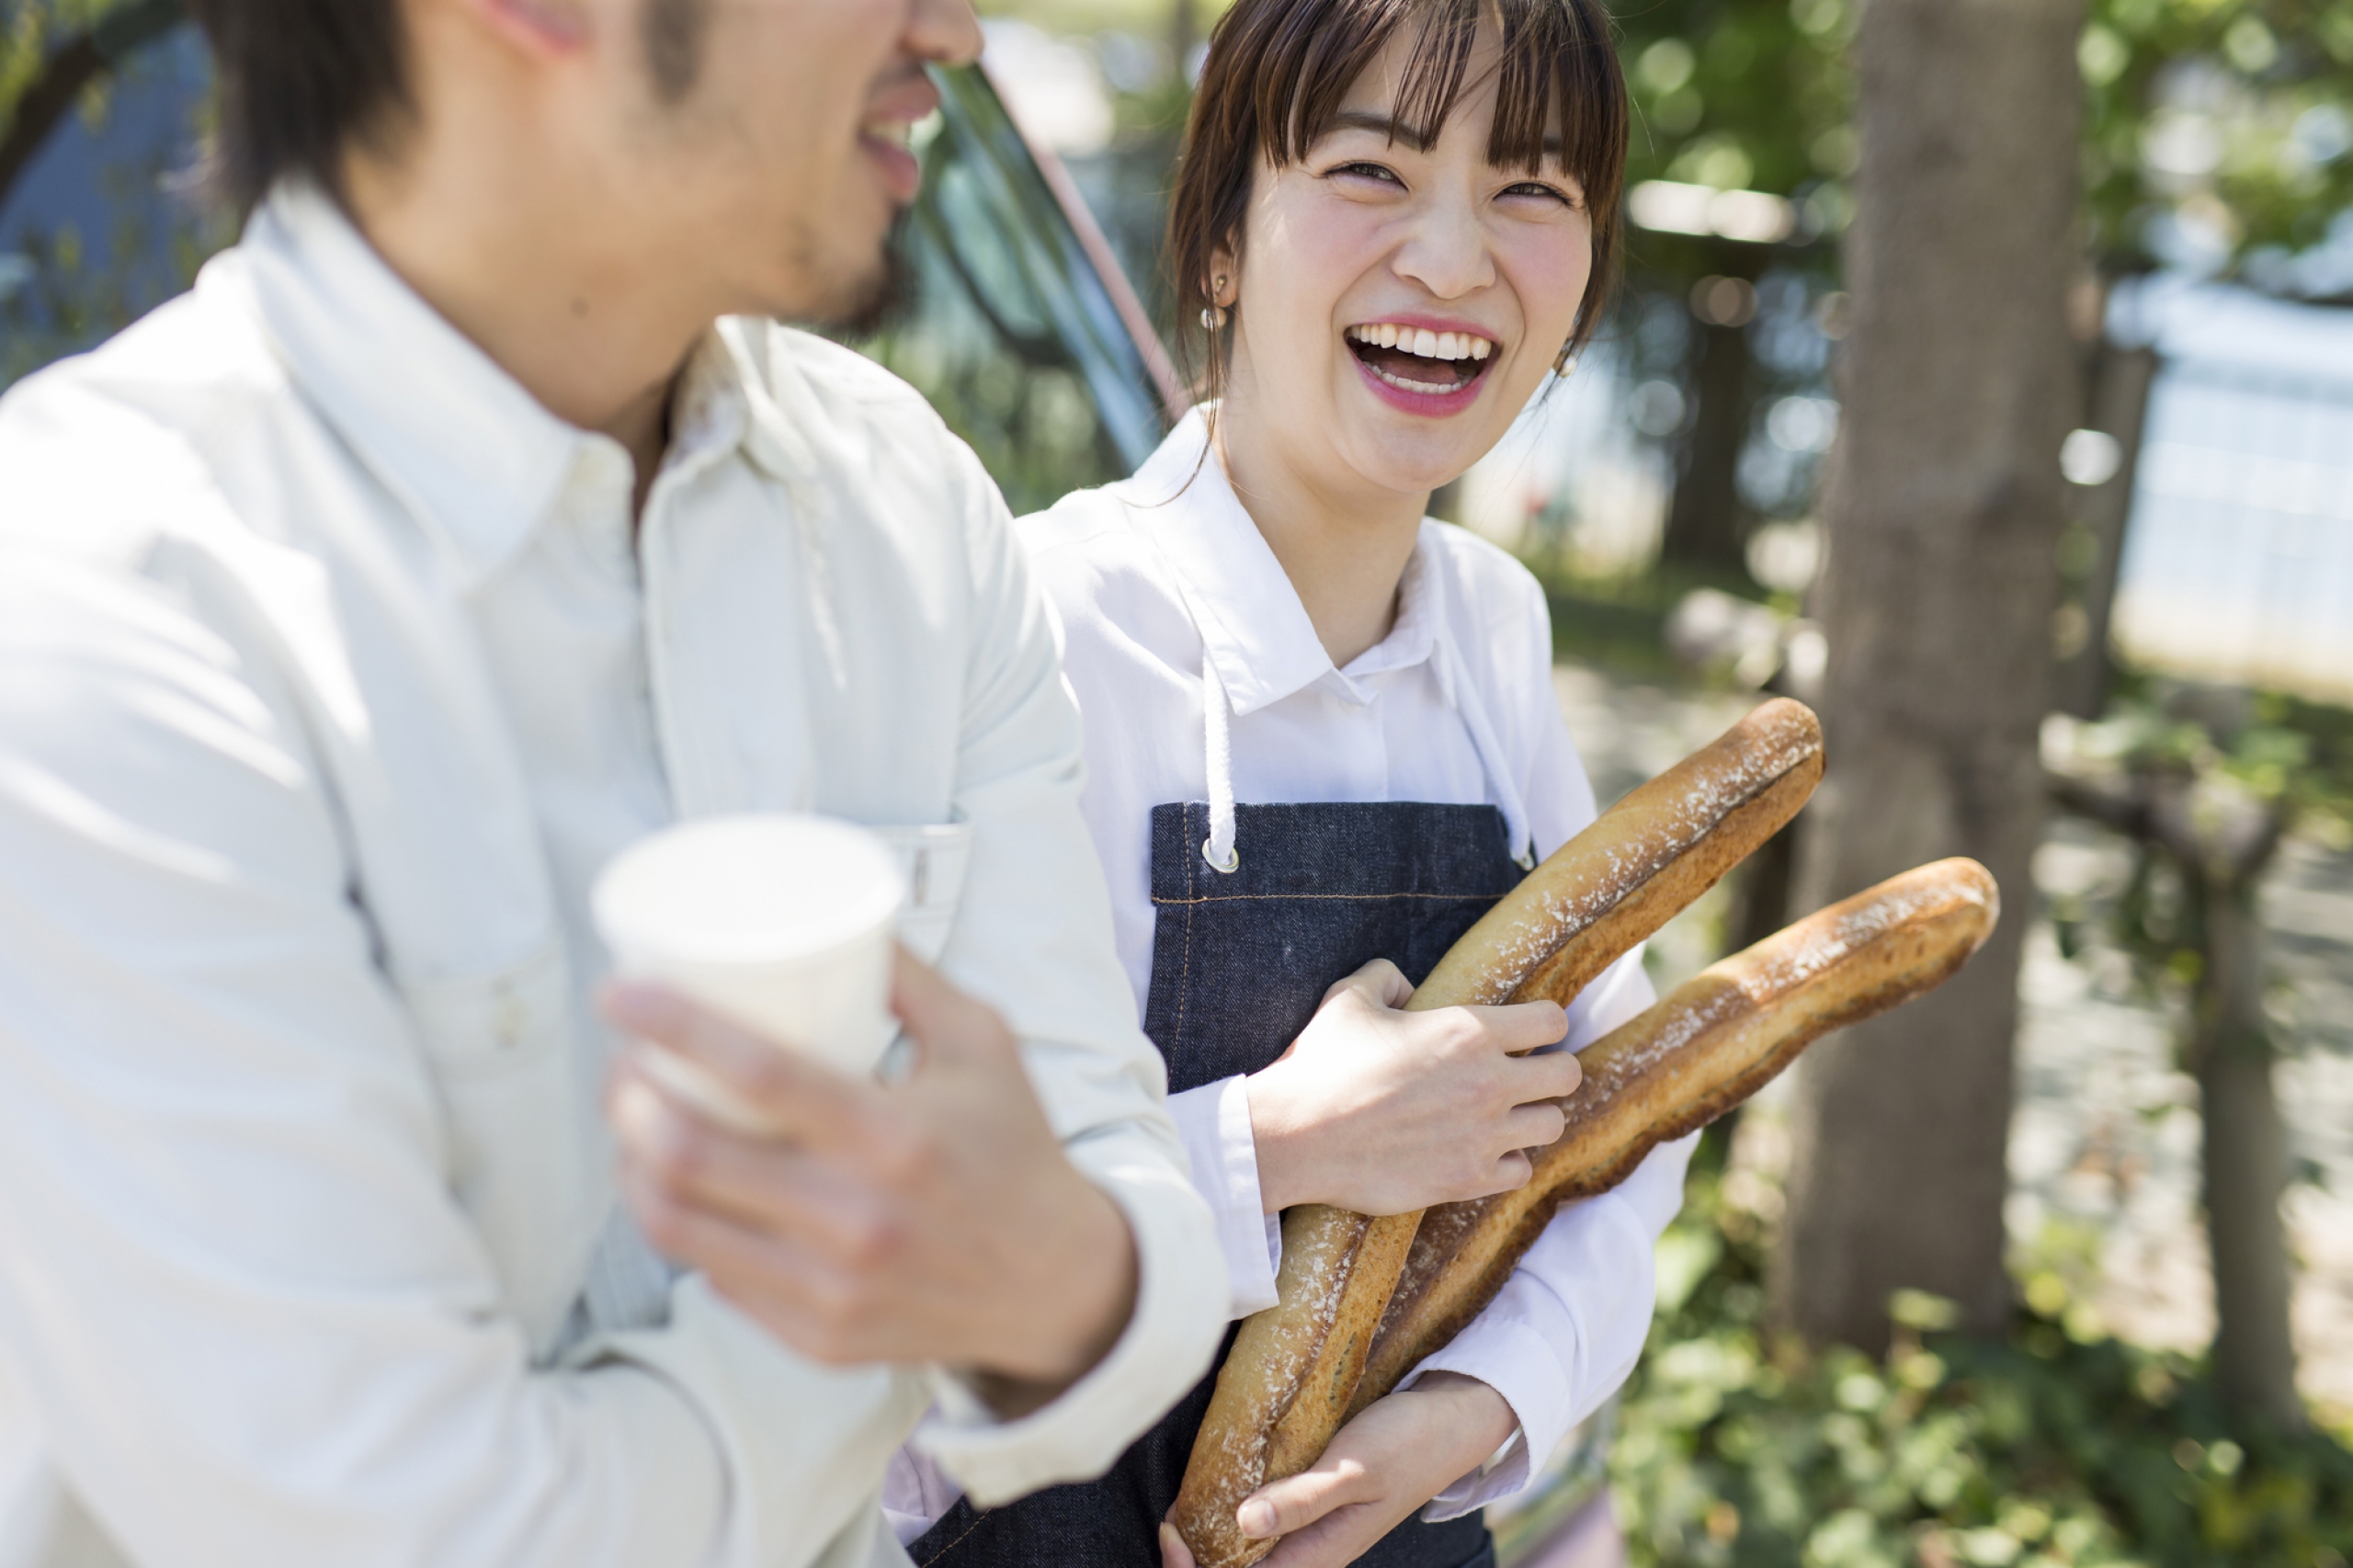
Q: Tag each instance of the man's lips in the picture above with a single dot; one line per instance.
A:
(902, 173)
(891, 114)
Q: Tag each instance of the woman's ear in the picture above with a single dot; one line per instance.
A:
(1225, 283)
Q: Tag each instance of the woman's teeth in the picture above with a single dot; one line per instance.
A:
(1421, 341)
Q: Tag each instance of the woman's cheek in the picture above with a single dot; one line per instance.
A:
(1551, 280)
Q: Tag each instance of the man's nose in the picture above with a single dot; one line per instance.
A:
(946, 33)
(1446, 251)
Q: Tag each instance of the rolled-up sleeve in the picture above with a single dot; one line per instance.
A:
(252, 1320)
(1040, 948)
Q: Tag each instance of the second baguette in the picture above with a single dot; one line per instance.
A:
(1709, 1045)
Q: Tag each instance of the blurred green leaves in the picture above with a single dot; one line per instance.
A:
(2231, 119)
(1736, 1448)
(2215, 131)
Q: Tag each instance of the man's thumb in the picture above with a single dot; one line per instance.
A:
(944, 1024)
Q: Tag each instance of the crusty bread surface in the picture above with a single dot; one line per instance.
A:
(1288, 1381)
(1707, 1047)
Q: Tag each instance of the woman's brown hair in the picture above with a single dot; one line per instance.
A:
(1278, 72)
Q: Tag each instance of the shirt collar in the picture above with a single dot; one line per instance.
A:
(1256, 632)
(436, 419)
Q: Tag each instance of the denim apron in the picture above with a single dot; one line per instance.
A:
(1258, 909)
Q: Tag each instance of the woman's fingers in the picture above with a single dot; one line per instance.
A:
(1523, 1026)
(1174, 1552)
(1294, 1503)
(1534, 1126)
(1549, 1075)
(1378, 983)
(1513, 1171)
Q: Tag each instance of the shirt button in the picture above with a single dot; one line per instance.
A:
(511, 1022)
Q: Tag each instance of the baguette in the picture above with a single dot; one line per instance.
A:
(1711, 1044)
(1294, 1369)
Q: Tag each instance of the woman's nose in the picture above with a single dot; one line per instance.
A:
(1446, 251)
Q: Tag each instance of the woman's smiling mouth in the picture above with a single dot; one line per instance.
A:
(1431, 368)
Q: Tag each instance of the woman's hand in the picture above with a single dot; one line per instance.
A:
(1384, 1111)
(1380, 1467)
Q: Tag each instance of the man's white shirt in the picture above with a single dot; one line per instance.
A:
(330, 674)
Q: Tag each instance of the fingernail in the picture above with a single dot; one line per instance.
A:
(1256, 1518)
(630, 1005)
(637, 1111)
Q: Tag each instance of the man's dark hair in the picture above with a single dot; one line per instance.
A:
(301, 81)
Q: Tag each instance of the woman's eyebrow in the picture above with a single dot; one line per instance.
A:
(1398, 131)
(1379, 124)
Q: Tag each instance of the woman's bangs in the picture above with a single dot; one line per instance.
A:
(1558, 89)
(1557, 94)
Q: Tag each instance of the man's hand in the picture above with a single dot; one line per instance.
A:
(1382, 1111)
(1380, 1467)
(936, 1220)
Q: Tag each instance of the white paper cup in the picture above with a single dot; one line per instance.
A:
(782, 923)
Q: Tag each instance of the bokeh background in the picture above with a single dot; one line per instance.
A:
(2195, 744)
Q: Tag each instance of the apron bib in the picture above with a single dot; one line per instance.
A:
(1240, 958)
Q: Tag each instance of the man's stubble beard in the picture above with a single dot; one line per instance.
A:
(852, 305)
(672, 37)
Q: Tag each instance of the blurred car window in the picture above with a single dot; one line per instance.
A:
(1022, 330)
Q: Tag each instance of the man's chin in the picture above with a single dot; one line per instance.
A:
(862, 303)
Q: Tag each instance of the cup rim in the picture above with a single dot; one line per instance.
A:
(627, 937)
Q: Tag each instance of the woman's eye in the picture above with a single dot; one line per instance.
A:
(1367, 171)
(1537, 189)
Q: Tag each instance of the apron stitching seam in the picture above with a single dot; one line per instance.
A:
(980, 1517)
(1185, 976)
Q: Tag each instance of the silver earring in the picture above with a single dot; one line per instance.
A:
(1213, 317)
(1565, 363)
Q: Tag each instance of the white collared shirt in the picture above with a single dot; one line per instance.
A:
(1149, 576)
(329, 674)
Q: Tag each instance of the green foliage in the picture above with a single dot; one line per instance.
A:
(1738, 1448)
(62, 289)
(1741, 93)
(2225, 750)
(2232, 115)
(2235, 115)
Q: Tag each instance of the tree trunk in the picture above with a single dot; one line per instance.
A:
(2122, 378)
(1944, 508)
(2245, 1157)
(1706, 524)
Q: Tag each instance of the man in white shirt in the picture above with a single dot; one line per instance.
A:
(460, 528)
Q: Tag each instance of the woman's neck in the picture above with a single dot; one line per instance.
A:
(1345, 548)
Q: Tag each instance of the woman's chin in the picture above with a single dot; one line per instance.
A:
(1411, 460)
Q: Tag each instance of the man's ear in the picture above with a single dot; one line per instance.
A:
(546, 28)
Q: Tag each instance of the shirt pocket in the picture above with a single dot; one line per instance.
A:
(499, 1021)
(932, 857)
(525, 1155)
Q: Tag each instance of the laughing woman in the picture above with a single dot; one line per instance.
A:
(1322, 736)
